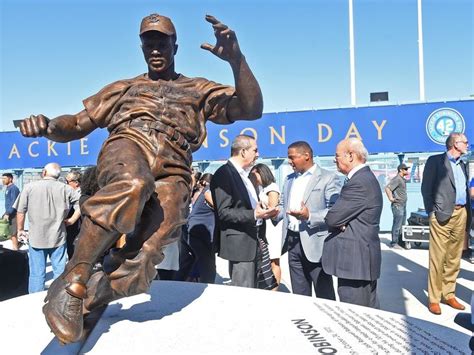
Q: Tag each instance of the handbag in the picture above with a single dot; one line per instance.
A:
(4, 230)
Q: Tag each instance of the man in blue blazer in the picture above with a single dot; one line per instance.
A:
(352, 251)
(446, 198)
(307, 195)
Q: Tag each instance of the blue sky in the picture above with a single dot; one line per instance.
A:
(54, 53)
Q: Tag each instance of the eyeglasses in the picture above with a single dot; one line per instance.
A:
(465, 142)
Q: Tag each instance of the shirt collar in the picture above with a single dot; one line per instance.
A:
(453, 159)
(354, 170)
(310, 171)
(239, 169)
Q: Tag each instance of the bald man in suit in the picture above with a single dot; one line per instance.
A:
(352, 251)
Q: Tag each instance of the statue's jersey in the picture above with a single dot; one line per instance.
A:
(184, 104)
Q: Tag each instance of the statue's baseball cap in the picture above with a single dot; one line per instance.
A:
(156, 22)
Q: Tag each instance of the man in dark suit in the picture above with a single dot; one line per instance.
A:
(352, 251)
(446, 198)
(239, 215)
(307, 195)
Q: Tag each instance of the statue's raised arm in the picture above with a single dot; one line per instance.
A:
(248, 102)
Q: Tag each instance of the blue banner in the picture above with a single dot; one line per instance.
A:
(396, 128)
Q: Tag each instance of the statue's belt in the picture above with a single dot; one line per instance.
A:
(173, 134)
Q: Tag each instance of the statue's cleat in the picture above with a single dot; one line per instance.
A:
(63, 310)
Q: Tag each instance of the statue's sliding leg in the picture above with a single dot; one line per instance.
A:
(99, 289)
(126, 184)
(63, 310)
(135, 275)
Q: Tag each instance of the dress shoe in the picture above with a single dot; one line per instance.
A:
(434, 308)
(453, 302)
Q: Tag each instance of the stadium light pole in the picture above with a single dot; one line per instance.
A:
(351, 53)
(421, 66)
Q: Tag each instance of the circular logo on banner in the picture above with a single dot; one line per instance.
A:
(442, 122)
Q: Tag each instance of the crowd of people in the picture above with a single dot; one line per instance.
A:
(327, 227)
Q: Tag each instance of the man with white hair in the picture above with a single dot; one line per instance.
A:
(352, 251)
(47, 202)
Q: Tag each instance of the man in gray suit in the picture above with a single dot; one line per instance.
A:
(446, 197)
(352, 251)
(307, 195)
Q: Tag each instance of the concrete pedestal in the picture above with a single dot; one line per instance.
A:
(189, 318)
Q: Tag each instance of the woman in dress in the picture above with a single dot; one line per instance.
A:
(269, 195)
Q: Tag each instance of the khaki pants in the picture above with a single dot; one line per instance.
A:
(446, 242)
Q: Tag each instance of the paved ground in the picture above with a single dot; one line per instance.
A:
(402, 287)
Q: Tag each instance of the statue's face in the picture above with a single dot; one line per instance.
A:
(159, 50)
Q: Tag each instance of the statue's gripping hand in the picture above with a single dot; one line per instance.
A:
(227, 47)
(34, 126)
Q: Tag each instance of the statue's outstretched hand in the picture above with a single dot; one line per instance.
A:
(227, 47)
(34, 126)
